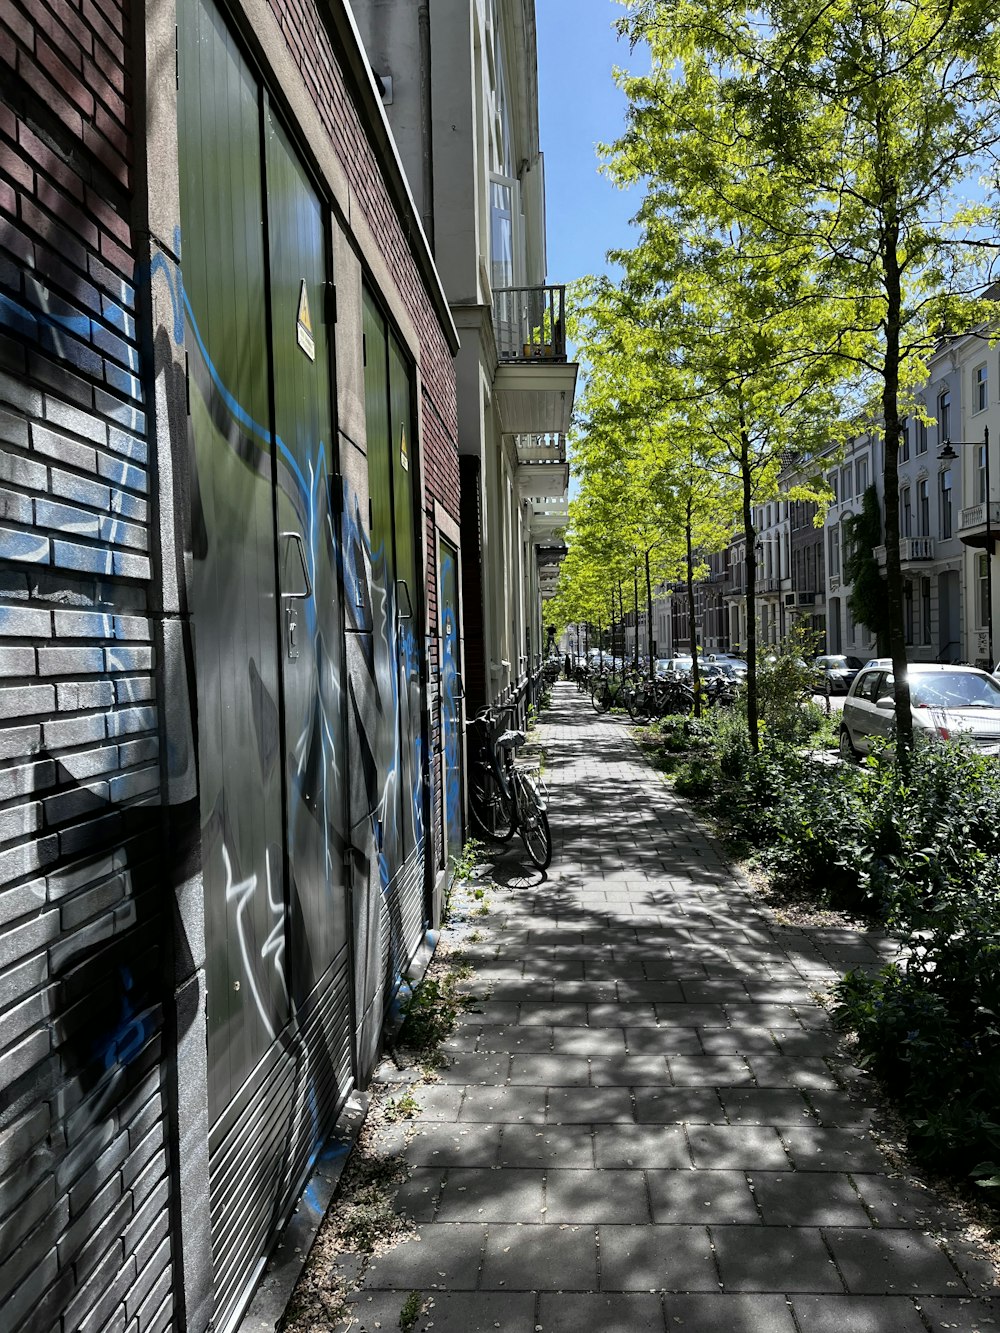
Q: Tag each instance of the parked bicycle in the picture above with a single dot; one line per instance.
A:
(507, 797)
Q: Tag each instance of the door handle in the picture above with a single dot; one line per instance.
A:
(296, 537)
(401, 587)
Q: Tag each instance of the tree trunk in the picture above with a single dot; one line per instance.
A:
(695, 672)
(890, 474)
(746, 477)
(635, 602)
(649, 617)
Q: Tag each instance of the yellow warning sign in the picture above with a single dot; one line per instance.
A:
(303, 325)
(404, 457)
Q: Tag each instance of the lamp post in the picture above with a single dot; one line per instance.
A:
(947, 454)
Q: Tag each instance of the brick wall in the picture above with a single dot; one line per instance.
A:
(83, 1186)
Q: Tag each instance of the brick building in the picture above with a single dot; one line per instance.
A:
(230, 767)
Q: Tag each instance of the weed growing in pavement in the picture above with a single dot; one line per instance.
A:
(433, 1010)
(404, 1107)
(411, 1311)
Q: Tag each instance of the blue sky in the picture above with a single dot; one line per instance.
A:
(579, 106)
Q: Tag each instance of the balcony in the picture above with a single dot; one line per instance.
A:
(548, 519)
(972, 524)
(912, 550)
(549, 559)
(534, 383)
(542, 470)
(768, 585)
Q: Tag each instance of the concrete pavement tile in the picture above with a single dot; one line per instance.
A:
(832, 1150)
(651, 1258)
(715, 990)
(540, 1258)
(774, 1259)
(641, 1146)
(506, 1105)
(526, 991)
(588, 1106)
(857, 1314)
(663, 1040)
(840, 1111)
(693, 1015)
(740, 1148)
(895, 1202)
(440, 1255)
(416, 1197)
(628, 1071)
(505, 1195)
(438, 1102)
(730, 1314)
(661, 992)
(588, 1041)
(762, 1015)
(959, 1316)
(766, 1106)
(558, 1071)
(461, 1312)
(974, 1266)
(772, 1070)
(497, 1013)
(570, 1312)
(808, 1199)
(470, 1067)
(701, 1197)
(549, 1015)
(708, 1071)
(627, 1015)
(676, 1106)
(737, 1041)
(814, 1019)
(608, 970)
(893, 1262)
(453, 1144)
(595, 1196)
(548, 1145)
(515, 1039)
(585, 992)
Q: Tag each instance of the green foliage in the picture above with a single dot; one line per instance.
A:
(433, 1010)
(785, 682)
(869, 599)
(410, 1313)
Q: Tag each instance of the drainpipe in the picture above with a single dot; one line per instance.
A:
(426, 143)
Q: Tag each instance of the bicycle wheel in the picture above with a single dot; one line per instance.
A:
(491, 808)
(534, 824)
(601, 697)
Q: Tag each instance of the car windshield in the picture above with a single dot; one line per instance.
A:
(839, 663)
(955, 689)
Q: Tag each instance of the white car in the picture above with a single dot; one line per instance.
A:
(946, 702)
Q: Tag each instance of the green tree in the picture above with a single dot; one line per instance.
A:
(845, 130)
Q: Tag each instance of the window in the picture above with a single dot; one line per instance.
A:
(904, 441)
(905, 513)
(984, 601)
(834, 552)
(849, 622)
(833, 479)
(908, 611)
(923, 509)
(868, 685)
(925, 610)
(847, 546)
(981, 474)
(921, 437)
(945, 498)
(846, 484)
(981, 395)
(861, 474)
(944, 416)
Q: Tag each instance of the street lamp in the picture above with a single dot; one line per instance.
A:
(947, 454)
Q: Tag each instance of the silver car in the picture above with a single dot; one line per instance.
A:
(946, 701)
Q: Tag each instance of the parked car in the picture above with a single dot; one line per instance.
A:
(665, 665)
(947, 701)
(737, 665)
(834, 672)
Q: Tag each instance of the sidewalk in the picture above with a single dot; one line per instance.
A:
(641, 1130)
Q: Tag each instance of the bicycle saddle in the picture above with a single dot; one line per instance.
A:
(510, 740)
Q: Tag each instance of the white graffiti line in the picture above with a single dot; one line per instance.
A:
(274, 945)
(243, 892)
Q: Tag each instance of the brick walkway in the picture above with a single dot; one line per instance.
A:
(640, 1129)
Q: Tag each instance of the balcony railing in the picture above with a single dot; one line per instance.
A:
(530, 323)
(911, 550)
(972, 524)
